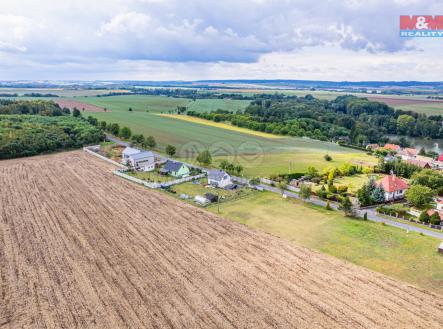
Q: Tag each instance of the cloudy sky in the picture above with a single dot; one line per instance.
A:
(202, 39)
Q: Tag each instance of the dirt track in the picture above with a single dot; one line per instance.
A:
(82, 248)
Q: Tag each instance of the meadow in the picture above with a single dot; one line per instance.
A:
(406, 256)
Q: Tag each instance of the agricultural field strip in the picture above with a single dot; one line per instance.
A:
(86, 249)
(220, 125)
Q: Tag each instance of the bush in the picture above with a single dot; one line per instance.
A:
(424, 217)
(435, 219)
(327, 157)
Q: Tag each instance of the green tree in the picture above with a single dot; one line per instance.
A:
(419, 195)
(76, 113)
(328, 205)
(422, 151)
(305, 191)
(150, 142)
(405, 124)
(347, 206)
(327, 157)
(365, 216)
(430, 178)
(238, 169)
(282, 186)
(138, 138)
(378, 195)
(114, 129)
(254, 181)
(224, 164)
(424, 217)
(130, 109)
(435, 219)
(312, 171)
(171, 150)
(102, 125)
(204, 158)
(125, 133)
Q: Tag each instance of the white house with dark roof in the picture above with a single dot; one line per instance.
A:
(219, 178)
(140, 160)
(127, 152)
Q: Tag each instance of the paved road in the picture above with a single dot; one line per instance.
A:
(372, 215)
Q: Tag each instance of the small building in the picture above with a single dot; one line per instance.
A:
(211, 197)
(127, 152)
(372, 147)
(143, 161)
(201, 200)
(176, 169)
(407, 153)
(219, 178)
(440, 248)
(420, 163)
(392, 147)
(394, 187)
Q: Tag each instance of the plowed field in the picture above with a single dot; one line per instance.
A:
(81, 248)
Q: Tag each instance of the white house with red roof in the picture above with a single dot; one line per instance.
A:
(407, 153)
(394, 187)
(392, 147)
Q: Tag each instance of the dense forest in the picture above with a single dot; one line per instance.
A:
(33, 127)
(347, 119)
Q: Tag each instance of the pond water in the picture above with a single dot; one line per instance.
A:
(435, 145)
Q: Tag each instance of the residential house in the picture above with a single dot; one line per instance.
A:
(127, 152)
(394, 187)
(176, 169)
(219, 178)
(392, 147)
(143, 161)
(372, 147)
(407, 153)
(420, 163)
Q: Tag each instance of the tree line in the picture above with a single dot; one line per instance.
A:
(346, 119)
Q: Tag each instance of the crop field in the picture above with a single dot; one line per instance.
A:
(71, 104)
(405, 256)
(80, 247)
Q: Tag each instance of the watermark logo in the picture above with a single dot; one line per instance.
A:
(421, 26)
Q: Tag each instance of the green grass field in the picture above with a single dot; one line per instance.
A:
(406, 256)
(259, 155)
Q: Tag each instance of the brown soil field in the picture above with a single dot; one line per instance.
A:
(70, 104)
(401, 101)
(82, 248)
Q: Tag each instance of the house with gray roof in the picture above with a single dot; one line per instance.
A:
(143, 161)
(219, 178)
(127, 152)
(176, 169)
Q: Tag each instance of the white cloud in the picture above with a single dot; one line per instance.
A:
(72, 37)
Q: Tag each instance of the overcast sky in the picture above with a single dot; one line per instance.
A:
(202, 39)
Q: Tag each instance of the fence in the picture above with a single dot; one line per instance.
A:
(272, 183)
(435, 227)
(122, 173)
(182, 180)
(93, 150)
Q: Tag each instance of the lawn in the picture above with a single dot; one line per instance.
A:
(152, 176)
(406, 256)
(297, 161)
(193, 190)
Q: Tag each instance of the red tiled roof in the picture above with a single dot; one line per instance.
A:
(392, 147)
(392, 183)
(419, 163)
(409, 152)
(432, 211)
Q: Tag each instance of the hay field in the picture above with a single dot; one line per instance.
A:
(81, 248)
